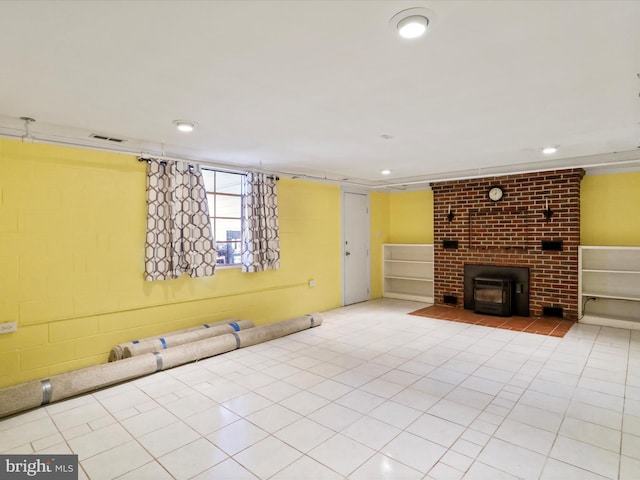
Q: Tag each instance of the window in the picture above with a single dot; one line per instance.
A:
(224, 195)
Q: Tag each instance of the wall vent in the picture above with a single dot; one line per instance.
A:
(106, 138)
(551, 245)
(450, 244)
(557, 312)
(450, 299)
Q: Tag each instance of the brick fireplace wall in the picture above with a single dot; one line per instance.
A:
(510, 232)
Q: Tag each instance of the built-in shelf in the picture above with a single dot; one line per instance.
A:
(408, 271)
(597, 295)
(417, 279)
(609, 286)
(626, 272)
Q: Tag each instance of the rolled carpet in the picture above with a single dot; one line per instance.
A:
(265, 333)
(58, 387)
(213, 346)
(117, 352)
(192, 352)
(23, 397)
(163, 343)
(41, 392)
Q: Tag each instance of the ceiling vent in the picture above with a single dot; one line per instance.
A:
(108, 139)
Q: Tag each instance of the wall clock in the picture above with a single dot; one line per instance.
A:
(495, 194)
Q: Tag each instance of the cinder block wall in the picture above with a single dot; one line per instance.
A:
(72, 227)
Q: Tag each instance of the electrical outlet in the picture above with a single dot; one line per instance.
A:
(8, 327)
(312, 283)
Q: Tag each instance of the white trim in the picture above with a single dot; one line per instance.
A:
(611, 169)
(626, 159)
(614, 162)
(609, 322)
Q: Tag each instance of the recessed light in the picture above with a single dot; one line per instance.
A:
(549, 150)
(413, 26)
(385, 172)
(184, 125)
(412, 22)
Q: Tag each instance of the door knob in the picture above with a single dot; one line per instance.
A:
(347, 253)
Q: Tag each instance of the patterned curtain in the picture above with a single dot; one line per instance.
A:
(260, 234)
(179, 238)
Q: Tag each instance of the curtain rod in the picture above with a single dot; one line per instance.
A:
(579, 162)
(137, 154)
(164, 160)
(141, 156)
(220, 166)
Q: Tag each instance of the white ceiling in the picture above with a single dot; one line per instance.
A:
(313, 87)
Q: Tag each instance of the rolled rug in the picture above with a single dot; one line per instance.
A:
(191, 352)
(225, 343)
(276, 330)
(163, 343)
(117, 352)
(88, 379)
(21, 397)
(41, 392)
(65, 385)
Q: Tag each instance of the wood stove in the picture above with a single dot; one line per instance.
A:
(519, 277)
(492, 296)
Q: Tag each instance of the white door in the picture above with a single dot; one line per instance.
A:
(355, 247)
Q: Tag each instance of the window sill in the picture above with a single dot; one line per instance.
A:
(220, 266)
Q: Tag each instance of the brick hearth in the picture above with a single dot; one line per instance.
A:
(510, 233)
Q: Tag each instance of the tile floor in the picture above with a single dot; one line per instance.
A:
(374, 393)
(556, 327)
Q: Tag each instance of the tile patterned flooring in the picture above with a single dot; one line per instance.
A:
(556, 327)
(374, 393)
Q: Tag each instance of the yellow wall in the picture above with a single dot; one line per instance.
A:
(411, 217)
(610, 209)
(379, 231)
(72, 228)
(405, 217)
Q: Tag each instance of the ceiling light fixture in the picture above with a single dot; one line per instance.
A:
(413, 26)
(549, 150)
(184, 125)
(411, 23)
(385, 172)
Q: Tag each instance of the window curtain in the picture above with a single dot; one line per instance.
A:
(179, 238)
(260, 233)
